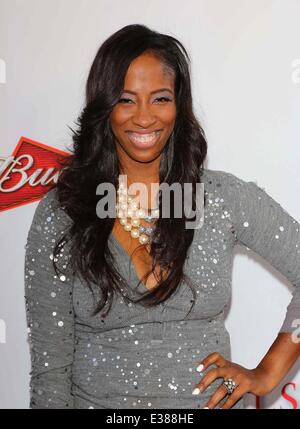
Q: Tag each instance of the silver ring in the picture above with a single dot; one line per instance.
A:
(230, 385)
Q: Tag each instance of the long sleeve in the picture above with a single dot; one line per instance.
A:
(49, 309)
(264, 226)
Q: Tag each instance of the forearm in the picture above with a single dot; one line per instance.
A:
(280, 358)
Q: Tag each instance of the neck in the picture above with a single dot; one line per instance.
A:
(146, 173)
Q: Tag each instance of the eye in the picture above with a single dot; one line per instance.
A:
(163, 99)
(124, 100)
(128, 100)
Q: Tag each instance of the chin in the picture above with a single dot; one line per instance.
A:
(144, 157)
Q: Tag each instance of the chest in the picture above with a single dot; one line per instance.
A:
(208, 266)
(139, 254)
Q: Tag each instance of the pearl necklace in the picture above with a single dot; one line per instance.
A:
(127, 207)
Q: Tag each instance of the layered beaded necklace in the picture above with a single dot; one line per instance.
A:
(128, 207)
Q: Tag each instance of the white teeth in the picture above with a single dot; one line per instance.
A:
(145, 138)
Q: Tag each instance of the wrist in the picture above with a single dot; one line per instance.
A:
(267, 377)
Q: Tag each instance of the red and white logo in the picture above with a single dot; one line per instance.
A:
(27, 174)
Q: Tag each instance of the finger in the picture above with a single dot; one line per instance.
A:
(219, 394)
(211, 376)
(237, 394)
(215, 357)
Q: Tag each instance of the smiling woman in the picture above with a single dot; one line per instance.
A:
(143, 121)
(128, 311)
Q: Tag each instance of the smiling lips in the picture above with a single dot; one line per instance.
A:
(142, 140)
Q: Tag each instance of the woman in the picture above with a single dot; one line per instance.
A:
(96, 340)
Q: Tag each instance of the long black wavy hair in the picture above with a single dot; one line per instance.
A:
(94, 160)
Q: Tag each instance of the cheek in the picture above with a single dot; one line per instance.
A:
(118, 116)
(168, 116)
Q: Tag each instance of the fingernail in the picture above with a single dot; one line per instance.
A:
(200, 368)
(196, 391)
(206, 408)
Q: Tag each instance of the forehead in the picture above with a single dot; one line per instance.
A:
(147, 71)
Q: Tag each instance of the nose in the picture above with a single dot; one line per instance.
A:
(143, 116)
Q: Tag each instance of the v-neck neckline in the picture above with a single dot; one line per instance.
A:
(131, 264)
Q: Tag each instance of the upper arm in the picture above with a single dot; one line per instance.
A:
(49, 309)
(264, 226)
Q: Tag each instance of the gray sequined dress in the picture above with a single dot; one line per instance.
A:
(138, 357)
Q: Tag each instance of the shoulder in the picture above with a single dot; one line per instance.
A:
(214, 177)
(49, 211)
(235, 191)
(50, 198)
(226, 181)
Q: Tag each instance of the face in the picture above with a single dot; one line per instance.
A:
(144, 117)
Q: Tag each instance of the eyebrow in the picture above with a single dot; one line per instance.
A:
(152, 92)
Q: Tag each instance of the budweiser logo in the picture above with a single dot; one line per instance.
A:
(28, 173)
